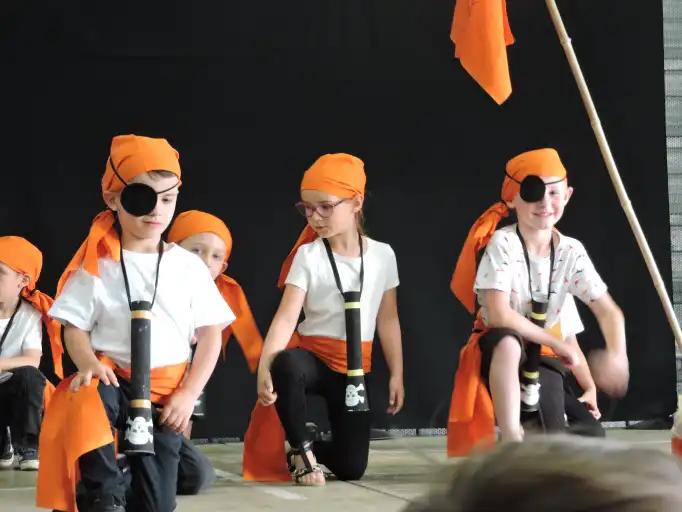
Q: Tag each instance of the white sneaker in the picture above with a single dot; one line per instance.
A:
(28, 460)
(530, 397)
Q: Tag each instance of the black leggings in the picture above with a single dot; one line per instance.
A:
(295, 373)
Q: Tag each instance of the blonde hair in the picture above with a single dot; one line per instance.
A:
(561, 474)
(161, 174)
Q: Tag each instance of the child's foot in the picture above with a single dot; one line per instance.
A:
(28, 459)
(106, 504)
(307, 472)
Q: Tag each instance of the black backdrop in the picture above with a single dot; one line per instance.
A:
(252, 92)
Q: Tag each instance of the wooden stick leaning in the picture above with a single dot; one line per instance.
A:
(613, 170)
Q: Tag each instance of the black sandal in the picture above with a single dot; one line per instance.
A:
(298, 473)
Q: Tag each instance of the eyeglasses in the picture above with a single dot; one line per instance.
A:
(324, 210)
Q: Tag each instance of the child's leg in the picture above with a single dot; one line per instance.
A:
(505, 387)
(100, 474)
(347, 453)
(294, 372)
(155, 478)
(6, 450)
(552, 400)
(26, 398)
(195, 471)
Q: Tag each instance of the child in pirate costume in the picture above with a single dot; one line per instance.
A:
(130, 304)
(23, 392)
(525, 272)
(345, 283)
(209, 238)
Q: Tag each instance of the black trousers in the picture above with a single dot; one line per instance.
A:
(154, 477)
(297, 372)
(557, 399)
(21, 406)
(195, 471)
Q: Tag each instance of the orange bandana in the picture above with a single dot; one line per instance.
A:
(339, 174)
(132, 155)
(539, 162)
(22, 256)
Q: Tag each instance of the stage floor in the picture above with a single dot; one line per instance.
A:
(400, 470)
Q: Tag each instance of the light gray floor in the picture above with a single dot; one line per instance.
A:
(399, 471)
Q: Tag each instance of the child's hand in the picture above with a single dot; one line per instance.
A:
(178, 410)
(589, 398)
(396, 395)
(567, 354)
(266, 392)
(84, 376)
(610, 371)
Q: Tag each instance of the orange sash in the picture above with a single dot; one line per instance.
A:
(264, 456)
(244, 327)
(76, 423)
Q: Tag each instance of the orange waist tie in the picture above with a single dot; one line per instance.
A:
(333, 353)
(164, 379)
(76, 423)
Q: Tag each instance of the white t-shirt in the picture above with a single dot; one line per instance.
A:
(503, 267)
(323, 306)
(571, 324)
(26, 332)
(187, 298)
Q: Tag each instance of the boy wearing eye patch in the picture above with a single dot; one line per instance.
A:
(124, 261)
(516, 280)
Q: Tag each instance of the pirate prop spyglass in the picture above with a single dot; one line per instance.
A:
(530, 371)
(356, 391)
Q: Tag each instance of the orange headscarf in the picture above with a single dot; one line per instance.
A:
(132, 155)
(338, 174)
(539, 162)
(244, 327)
(22, 256)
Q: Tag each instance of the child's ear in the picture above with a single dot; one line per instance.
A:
(358, 201)
(569, 193)
(110, 199)
(24, 280)
(223, 268)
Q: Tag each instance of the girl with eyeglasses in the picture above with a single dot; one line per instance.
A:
(345, 283)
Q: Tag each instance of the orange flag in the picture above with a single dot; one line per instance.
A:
(481, 33)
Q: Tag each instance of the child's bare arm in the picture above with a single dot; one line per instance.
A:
(80, 350)
(204, 360)
(279, 334)
(610, 368)
(178, 409)
(30, 357)
(388, 326)
(501, 314)
(582, 374)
